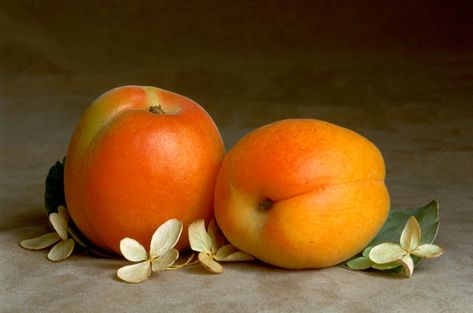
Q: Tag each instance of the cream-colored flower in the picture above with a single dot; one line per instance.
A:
(211, 246)
(409, 244)
(161, 256)
(63, 245)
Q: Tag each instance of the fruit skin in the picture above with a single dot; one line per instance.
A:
(301, 193)
(128, 170)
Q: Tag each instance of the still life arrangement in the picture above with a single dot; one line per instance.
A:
(146, 177)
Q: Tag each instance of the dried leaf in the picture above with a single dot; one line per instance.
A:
(61, 250)
(386, 253)
(165, 237)
(208, 262)
(428, 251)
(164, 261)
(410, 236)
(360, 263)
(40, 242)
(59, 224)
(408, 264)
(135, 273)
(132, 250)
(199, 239)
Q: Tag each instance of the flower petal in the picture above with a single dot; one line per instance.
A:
(61, 250)
(132, 250)
(410, 236)
(61, 210)
(224, 252)
(76, 237)
(40, 242)
(428, 251)
(386, 253)
(229, 253)
(215, 235)
(59, 224)
(408, 264)
(386, 266)
(361, 263)
(208, 262)
(135, 273)
(164, 261)
(239, 256)
(165, 237)
(199, 239)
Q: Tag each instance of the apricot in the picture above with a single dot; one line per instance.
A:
(302, 193)
(138, 157)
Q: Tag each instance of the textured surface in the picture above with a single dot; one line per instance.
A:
(403, 79)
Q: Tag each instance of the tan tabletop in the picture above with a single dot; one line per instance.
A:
(248, 65)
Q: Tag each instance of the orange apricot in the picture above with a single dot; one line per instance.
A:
(302, 193)
(138, 157)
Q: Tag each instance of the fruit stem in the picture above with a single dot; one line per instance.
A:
(265, 205)
(156, 109)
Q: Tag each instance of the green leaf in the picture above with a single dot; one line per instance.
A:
(54, 197)
(366, 252)
(360, 263)
(54, 193)
(428, 218)
(355, 262)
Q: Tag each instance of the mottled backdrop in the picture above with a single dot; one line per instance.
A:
(400, 73)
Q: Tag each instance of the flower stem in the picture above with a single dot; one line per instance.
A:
(186, 263)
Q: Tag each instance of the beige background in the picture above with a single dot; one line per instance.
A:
(401, 74)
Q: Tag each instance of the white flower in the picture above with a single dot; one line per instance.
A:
(162, 253)
(211, 246)
(409, 244)
(63, 244)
